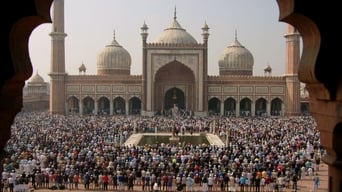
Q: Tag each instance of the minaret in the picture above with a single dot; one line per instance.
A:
(292, 94)
(57, 70)
(205, 35)
(144, 34)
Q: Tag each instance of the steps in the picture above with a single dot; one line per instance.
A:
(214, 140)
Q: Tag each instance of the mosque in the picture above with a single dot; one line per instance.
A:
(174, 78)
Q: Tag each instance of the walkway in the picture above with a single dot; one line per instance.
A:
(214, 140)
(135, 138)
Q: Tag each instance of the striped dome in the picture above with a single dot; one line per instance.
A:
(113, 59)
(175, 34)
(37, 79)
(236, 60)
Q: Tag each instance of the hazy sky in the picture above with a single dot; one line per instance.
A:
(89, 25)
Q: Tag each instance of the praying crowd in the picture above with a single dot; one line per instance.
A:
(89, 152)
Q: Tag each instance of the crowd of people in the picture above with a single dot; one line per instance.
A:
(262, 154)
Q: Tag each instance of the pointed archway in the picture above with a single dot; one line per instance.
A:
(214, 106)
(174, 76)
(260, 107)
(276, 108)
(134, 105)
(103, 106)
(309, 16)
(119, 106)
(73, 106)
(230, 107)
(88, 106)
(174, 97)
(245, 107)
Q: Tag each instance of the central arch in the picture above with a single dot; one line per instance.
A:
(307, 16)
(174, 97)
(174, 80)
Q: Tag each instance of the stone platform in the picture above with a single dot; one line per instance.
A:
(135, 138)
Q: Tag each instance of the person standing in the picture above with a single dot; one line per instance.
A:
(130, 182)
(210, 183)
(105, 181)
(294, 182)
(86, 180)
(205, 184)
(257, 182)
(242, 183)
(190, 184)
(76, 180)
(315, 182)
(155, 187)
(11, 183)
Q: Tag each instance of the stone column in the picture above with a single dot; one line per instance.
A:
(268, 109)
(253, 108)
(111, 108)
(237, 110)
(81, 107)
(126, 107)
(96, 107)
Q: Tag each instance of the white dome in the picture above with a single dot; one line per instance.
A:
(113, 59)
(236, 60)
(37, 79)
(175, 34)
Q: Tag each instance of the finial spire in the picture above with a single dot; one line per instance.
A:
(114, 34)
(144, 27)
(235, 34)
(175, 14)
(205, 27)
(144, 32)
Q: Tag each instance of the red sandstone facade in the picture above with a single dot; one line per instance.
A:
(174, 74)
(323, 81)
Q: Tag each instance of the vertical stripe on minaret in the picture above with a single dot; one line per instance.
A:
(144, 34)
(292, 94)
(57, 70)
(205, 34)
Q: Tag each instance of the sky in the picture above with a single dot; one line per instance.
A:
(90, 25)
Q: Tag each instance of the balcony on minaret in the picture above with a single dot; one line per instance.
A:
(144, 31)
(205, 32)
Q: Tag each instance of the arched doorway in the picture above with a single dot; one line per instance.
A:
(260, 107)
(230, 107)
(172, 79)
(174, 97)
(88, 106)
(276, 107)
(214, 106)
(119, 106)
(308, 16)
(73, 106)
(134, 105)
(103, 106)
(245, 107)
(304, 108)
